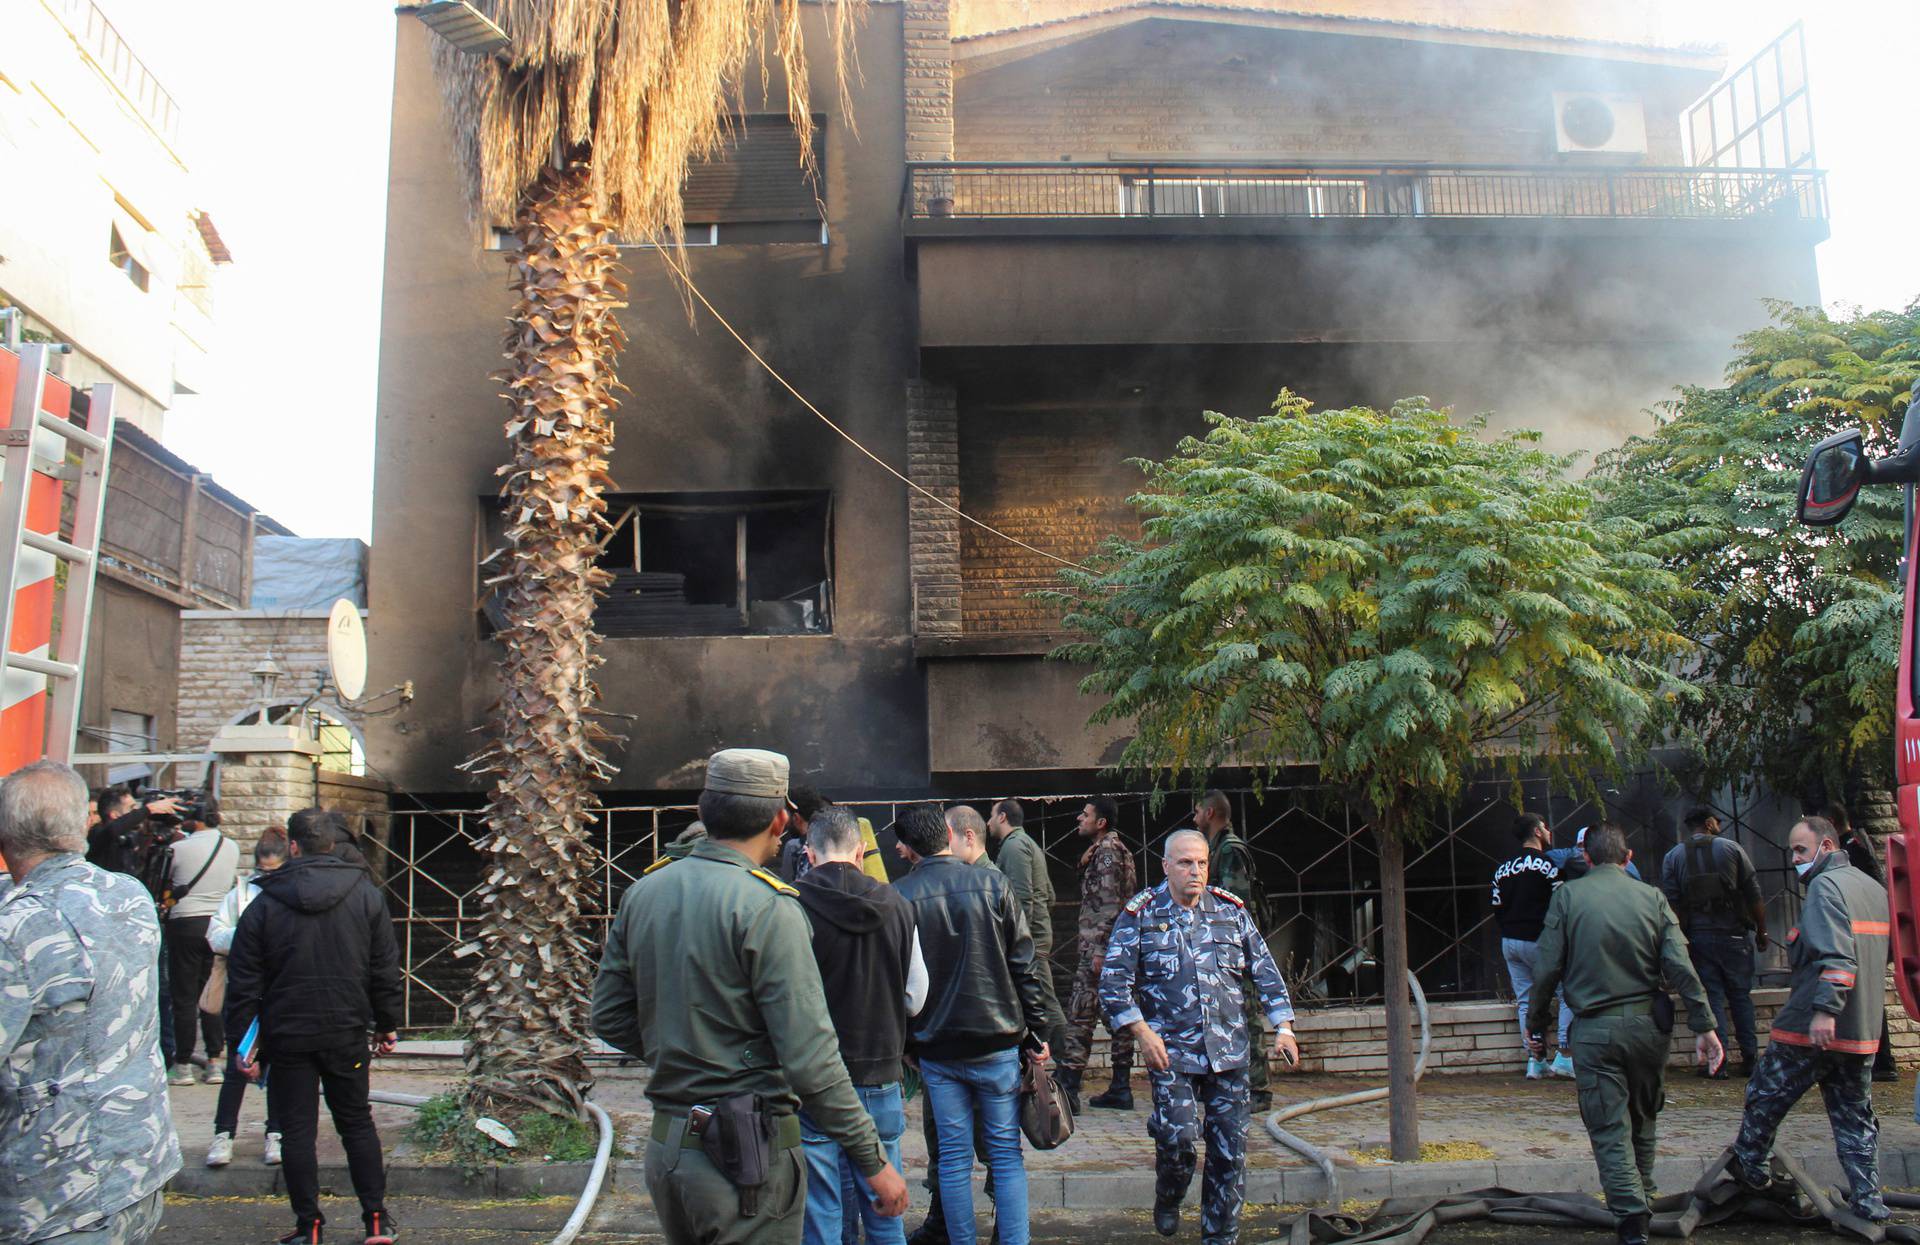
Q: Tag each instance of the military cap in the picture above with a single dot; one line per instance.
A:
(748, 771)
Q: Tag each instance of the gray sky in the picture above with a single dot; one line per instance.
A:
(285, 125)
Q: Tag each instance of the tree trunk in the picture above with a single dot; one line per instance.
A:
(1403, 1103)
(528, 1007)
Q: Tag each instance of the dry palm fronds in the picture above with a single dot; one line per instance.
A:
(637, 88)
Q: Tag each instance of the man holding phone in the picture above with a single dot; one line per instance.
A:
(1607, 942)
(1173, 978)
(314, 961)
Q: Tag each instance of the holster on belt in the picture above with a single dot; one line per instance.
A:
(738, 1140)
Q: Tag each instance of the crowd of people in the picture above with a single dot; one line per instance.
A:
(129, 941)
(789, 1000)
(1607, 946)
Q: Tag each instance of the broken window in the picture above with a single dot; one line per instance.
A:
(722, 563)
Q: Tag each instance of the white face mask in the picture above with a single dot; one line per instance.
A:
(1809, 866)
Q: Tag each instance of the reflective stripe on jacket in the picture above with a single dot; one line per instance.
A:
(1841, 943)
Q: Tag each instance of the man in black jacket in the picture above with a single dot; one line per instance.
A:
(315, 963)
(984, 1001)
(870, 966)
(1522, 889)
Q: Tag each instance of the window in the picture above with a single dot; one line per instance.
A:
(131, 733)
(120, 257)
(341, 748)
(731, 563)
(1243, 196)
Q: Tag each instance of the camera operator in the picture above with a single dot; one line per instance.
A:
(121, 823)
(202, 868)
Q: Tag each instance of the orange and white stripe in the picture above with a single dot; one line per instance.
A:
(23, 693)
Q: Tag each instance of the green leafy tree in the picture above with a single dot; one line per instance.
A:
(1398, 600)
(1798, 630)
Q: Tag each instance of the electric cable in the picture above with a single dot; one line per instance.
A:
(687, 280)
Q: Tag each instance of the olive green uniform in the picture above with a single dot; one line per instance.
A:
(1607, 941)
(1025, 867)
(1230, 867)
(708, 975)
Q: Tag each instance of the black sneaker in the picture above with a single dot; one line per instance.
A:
(381, 1230)
(304, 1234)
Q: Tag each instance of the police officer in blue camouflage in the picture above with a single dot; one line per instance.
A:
(1175, 965)
(86, 1139)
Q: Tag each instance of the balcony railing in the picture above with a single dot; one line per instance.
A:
(115, 57)
(1223, 191)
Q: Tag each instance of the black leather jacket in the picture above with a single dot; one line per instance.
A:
(984, 993)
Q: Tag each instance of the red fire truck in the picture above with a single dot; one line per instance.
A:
(1834, 474)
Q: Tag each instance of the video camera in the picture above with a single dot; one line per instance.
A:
(192, 802)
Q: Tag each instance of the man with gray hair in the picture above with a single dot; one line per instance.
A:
(86, 1138)
(1177, 962)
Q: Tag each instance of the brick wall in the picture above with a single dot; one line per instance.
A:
(218, 652)
(1057, 482)
(1163, 89)
(933, 463)
(1484, 1037)
(928, 85)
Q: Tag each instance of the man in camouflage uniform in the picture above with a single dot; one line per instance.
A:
(86, 1138)
(1175, 973)
(1106, 883)
(1827, 1031)
(1230, 867)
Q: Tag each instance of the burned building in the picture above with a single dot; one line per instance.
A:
(1046, 237)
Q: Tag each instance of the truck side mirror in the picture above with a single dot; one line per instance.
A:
(1832, 478)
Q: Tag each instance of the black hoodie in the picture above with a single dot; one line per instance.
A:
(863, 942)
(314, 959)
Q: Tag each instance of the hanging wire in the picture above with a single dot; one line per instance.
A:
(687, 280)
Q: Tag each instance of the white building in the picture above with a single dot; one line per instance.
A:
(102, 242)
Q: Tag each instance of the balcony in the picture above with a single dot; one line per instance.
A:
(1228, 197)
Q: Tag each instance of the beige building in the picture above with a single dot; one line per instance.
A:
(103, 244)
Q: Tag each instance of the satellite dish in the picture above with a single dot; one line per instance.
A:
(347, 650)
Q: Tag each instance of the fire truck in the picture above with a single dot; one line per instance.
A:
(1835, 472)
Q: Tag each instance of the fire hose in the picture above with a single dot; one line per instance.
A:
(1793, 1197)
(596, 1176)
(1312, 1153)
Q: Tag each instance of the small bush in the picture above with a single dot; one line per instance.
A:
(444, 1127)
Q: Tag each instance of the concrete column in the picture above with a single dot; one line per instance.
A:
(933, 463)
(267, 774)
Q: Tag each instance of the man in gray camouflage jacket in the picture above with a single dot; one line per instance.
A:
(86, 1138)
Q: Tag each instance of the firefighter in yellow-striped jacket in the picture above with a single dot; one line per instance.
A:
(1829, 1028)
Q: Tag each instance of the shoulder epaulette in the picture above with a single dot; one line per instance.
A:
(661, 863)
(1139, 901)
(773, 880)
(1229, 896)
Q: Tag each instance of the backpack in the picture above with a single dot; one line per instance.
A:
(1703, 887)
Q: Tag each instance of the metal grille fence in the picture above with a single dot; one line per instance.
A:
(983, 191)
(1317, 862)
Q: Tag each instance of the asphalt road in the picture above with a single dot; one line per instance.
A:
(623, 1221)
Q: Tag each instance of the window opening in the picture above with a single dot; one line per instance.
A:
(120, 257)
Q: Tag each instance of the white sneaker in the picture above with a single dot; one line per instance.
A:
(1536, 1068)
(272, 1158)
(220, 1150)
(182, 1074)
(212, 1075)
(1562, 1066)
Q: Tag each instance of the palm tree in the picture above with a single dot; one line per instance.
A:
(579, 132)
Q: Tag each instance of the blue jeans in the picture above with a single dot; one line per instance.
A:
(835, 1189)
(956, 1091)
(1521, 957)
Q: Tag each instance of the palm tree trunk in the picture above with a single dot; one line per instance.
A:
(528, 1008)
(1403, 1102)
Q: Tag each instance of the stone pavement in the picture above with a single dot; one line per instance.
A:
(1531, 1129)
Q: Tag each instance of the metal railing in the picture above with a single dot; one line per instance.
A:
(1228, 190)
(116, 59)
(1317, 862)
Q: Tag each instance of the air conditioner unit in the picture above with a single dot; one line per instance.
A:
(1586, 124)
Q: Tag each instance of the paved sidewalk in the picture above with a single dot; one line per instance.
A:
(1532, 1129)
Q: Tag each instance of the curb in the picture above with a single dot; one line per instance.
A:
(1053, 1190)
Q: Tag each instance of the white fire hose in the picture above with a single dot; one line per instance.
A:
(1312, 1153)
(596, 1178)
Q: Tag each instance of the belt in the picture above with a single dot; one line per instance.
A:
(786, 1131)
(1638, 1007)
